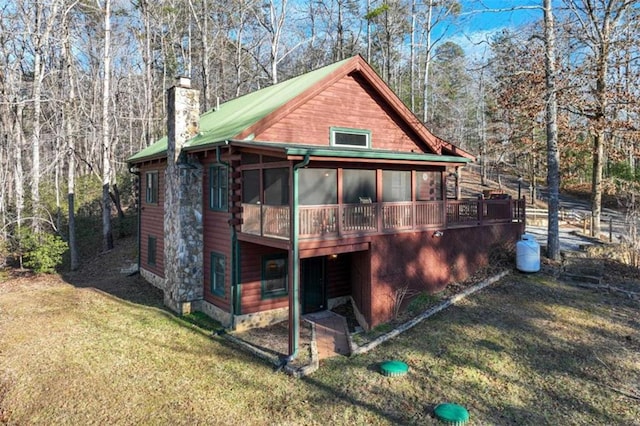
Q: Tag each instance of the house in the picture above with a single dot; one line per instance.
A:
(321, 190)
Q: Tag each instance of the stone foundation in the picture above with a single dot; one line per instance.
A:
(260, 319)
(211, 310)
(153, 279)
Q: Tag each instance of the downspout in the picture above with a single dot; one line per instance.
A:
(135, 171)
(294, 305)
(234, 250)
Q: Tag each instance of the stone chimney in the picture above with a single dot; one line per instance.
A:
(183, 240)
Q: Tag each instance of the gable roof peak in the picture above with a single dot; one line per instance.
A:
(245, 115)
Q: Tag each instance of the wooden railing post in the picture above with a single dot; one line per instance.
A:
(444, 213)
(511, 209)
(261, 220)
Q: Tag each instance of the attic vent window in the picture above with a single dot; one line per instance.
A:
(354, 138)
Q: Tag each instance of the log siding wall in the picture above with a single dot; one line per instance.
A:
(349, 103)
(251, 279)
(217, 239)
(152, 219)
(428, 263)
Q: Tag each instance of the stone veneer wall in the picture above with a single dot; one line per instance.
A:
(153, 279)
(183, 237)
(260, 319)
(211, 310)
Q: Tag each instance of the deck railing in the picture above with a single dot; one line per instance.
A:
(326, 221)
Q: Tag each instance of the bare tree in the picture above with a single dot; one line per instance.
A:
(70, 120)
(107, 234)
(598, 23)
(553, 155)
(42, 30)
(273, 21)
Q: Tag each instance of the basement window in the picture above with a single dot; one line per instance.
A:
(275, 276)
(353, 138)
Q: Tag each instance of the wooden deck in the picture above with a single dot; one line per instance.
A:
(343, 220)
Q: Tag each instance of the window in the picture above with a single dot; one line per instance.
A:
(152, 187)
(218, 188)
(274, 276)
(151, 250)
(355, 138)
(218, 263)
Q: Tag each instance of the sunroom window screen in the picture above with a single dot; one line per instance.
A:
(276, 187)
(396, 186)
(251, 186)
(318, 186)
(358, 185)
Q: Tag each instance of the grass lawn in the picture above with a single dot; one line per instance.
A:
(526, 350)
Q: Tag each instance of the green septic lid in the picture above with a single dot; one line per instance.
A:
(394, 368)
(451, 413)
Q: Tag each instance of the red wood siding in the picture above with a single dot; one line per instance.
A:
(152, 219)
(361, 282)
(251, 279)
(217, 239)
(428, 263)
(339, 276)
(348, 103)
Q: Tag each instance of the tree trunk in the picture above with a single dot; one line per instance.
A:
(107, 236)
(70, 118)
(427, 64)
(368, 32)
(412, 59)
(553, 155)
(148, 76)
(599, 140)
(596, 183)
(35, 136)
(18, 171)
(115, 198)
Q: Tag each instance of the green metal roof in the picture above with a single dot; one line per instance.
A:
(371, 154)
(236, 115)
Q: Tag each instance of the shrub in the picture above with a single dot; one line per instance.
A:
(42, 252)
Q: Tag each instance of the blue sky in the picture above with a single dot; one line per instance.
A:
(478, 15)
(480, 20)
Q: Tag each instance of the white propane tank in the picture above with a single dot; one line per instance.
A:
(528, 254)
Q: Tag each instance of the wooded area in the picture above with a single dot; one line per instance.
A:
(83, 82)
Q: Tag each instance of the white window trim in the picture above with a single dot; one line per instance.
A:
(335, 130)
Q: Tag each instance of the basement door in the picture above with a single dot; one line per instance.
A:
(314, 284)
